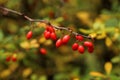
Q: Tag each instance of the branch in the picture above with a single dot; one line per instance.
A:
(6, 11)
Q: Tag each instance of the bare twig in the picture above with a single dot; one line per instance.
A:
(42, 21)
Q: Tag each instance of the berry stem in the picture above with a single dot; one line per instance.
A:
(3, 9)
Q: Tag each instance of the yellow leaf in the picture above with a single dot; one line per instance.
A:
(25, 45)
(75, 78)
(42, 40)
(97, 74)
(117, 30)
(101, 36)
(14, 55)
(34, 44)
(108, 42)
(13, 66)
(27, 72)
(48, 42)
(5, 73)
(41, 24)
(93, 35)
(84, 17)
(108, 67)
(33, 41)
(116, 36)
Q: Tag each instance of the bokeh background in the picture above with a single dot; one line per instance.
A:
(97, 18)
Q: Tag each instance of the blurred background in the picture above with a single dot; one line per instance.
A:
(97, 18)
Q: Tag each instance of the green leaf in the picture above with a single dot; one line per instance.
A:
(2, 55)
(61, 76)
(111, 22)
(1, 35)
(86, 31)
(113, 77)
(60, 19)
(116, 59)
(33, 77)
(43, 77)
(75, 72)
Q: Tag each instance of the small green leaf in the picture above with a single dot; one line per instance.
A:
(116, 59)
(60, 19)
(43, 77)
(33, 77)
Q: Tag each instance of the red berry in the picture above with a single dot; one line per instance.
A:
(81, 49)
(79, 37)
(47, 34)
(50, 29)
(53, 36)
(58, 43)
(88, 44)
(14, 58)
(65, 39)
(8, 58)
(75, 46)
(29, 35)
(43, 51)
(90, 49)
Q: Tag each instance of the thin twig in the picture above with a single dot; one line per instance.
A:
(42, 21)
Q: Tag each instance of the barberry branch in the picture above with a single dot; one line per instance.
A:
(5, 11)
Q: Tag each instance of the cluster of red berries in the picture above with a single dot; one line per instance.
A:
(49, 33)
(13, 58)
(81, 48)
(76, 46)
(62, 41)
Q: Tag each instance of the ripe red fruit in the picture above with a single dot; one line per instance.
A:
(88, 44)
(47, 34)
(43, 51)
(58, 43)
(79, 37)
(14, 58)
(90, 49)
(50, 29)
(8, 58)
(81, 49)
(65, 39)
(29, 35)
(75, 46)
(53, 36)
